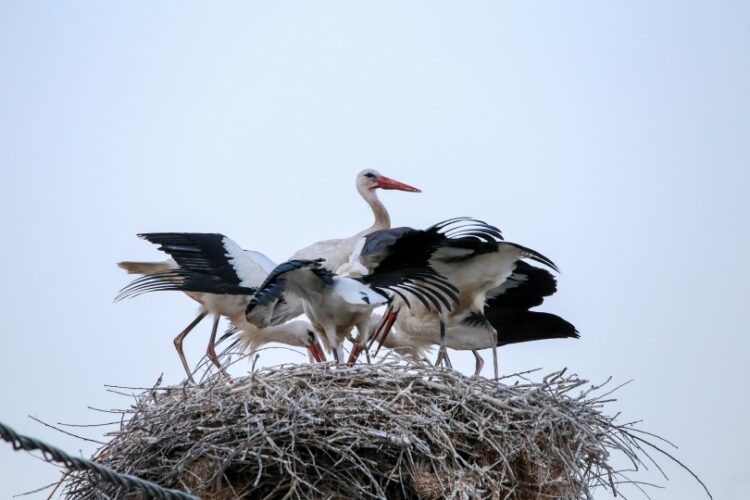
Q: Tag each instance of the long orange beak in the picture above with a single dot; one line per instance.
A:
(317, 352)
(388, 183)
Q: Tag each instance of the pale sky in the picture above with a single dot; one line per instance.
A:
(611, 136)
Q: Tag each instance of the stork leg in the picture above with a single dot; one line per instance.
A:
(358, 345)
(332, 342)
(211, 349)
(339, 354)
(379, 329)
(447, 360)
(443, 352)
(178, 343)
(362, 339)
(387, 324)
(480, 363)
(442, 357)
(494, 354)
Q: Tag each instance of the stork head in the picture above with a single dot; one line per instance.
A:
(313, 346)
(370, 180)
(305, 335)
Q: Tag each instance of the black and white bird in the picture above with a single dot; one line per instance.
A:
(224, 289)
(335, 304)
(470, 254)
(507, 311)
(337, 251)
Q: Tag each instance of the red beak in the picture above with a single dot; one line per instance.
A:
(388, 183)
(317, 352)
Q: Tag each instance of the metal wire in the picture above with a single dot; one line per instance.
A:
(105, 474)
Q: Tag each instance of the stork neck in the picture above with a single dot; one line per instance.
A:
(286, 334)
(382, 218)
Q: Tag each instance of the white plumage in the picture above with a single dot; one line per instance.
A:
(337, 251)
(244, 269)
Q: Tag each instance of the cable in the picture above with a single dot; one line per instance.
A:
(52, 454)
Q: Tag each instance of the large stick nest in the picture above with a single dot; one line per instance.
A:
(391, 430)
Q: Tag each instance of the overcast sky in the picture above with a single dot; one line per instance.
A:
(611, 136)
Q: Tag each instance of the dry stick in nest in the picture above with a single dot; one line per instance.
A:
(391, 430)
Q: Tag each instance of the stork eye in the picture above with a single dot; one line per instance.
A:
(311, 334)
(370, 175)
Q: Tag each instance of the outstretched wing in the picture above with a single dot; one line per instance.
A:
(458, 237)
(213, 254)
(203, 262)
(182, 280)
(399, 261)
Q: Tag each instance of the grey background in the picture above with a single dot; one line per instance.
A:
(611, 136)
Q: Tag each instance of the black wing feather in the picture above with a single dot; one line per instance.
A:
(525, 288)
(274, 285)
(400, 257)
(182, 280)
(525, 326)
(199, 252)
(536, 256)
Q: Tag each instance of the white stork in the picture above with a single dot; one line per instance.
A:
(469, 254)
(236, 270)
(249, 337)
(507, 311)
(335, 304)
(336, 252)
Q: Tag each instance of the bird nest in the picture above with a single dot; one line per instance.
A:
(391, 430)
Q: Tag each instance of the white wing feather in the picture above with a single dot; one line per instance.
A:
(250, 272)
(267, 264)
(354, 292)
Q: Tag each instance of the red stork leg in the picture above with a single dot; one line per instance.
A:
(388, 321)
(379, 329)
(359, 345)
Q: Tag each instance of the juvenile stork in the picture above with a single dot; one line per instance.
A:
(336, 252)
(469, 254)
(507, 311)
(337, 303)
(233, 279)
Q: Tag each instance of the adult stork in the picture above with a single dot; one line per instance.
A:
(336, 252)
(233, 278)
(507, 311)
(470, 254)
